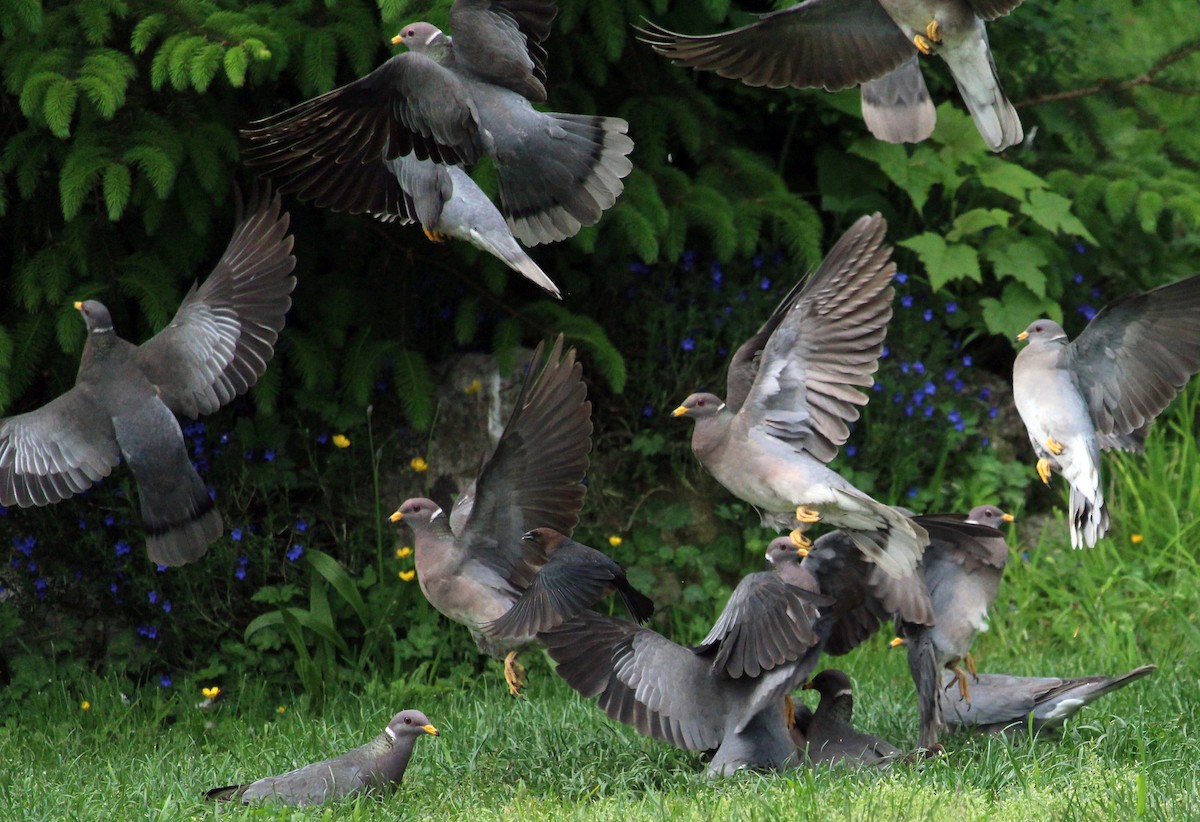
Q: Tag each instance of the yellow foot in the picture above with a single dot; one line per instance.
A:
(934, 31)
(433, 235)
(1043, 469)
(1054, 446)
(801, 542)
(923, 45)
(807, 515)
(964, 690)
(514, 674)
(971, 666)
(897, 642)
(789, 711)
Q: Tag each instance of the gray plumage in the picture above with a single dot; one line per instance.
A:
(829, 733)
(453, 101)
(1103, 390)
(574, 578)
(896, 107)
(836, 44)
(791, 390)
(446, 201)
(726, 695)
(474, 565)
(1001, 702)
(376, 767)
(126, 397)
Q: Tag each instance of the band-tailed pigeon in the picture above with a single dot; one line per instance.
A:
(835, 44)
(453, 102)
(896, 107)
(447, 202)
(126, 397)
(791, 389)
(725, 695)
(377, 767)
(829, 733)
(1103, 390)
(474, 565)
(1001, 702)
(574, 578)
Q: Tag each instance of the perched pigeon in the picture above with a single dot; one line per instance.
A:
(377, 767)
(126, 397)
(961, 569)
(896, 107)
(474, 565)
(1103, 390)
(830, 734)
(1001, 702)
(791, 390)
(447, 202)
(574, 578)
(835, 44)
(453, 102)
(724, 695)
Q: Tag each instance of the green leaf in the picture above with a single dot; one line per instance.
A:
(157, 165)
(118, 183)
(58, 107)
(236, 63)
(79, 174)
(1053, 212)
(1149, 208)
(303, 618)
(1016, 309)
(415, 388)
(1010, 178)
(976, 220)
(1022, 260)
(206, 62)
(944, 263)
(1119, 197)
(336, 576)
(318, 62)
(145, 31)
(466, 321)
(915, 174)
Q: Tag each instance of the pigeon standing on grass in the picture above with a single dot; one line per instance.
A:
(453, 101)
(126, 398)
(474, 565)
(377, 767)
(725, 695)
(1102, 390)
(1000, 702)
(791, 390)
(836, 44)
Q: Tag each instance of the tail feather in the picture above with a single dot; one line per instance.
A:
(884, 535)
(974, 73)
(897, 108)
(1093, 691)
(640, 606)
(1089, 518)
(507, 249)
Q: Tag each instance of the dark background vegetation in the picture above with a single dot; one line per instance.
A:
(118, 156)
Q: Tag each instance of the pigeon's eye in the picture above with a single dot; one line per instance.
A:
(407, 720)
(1037, 328)
(410, 33)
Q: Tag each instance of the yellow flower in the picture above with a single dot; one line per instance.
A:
(210, 693)
(407, 576)
(418, 464)
(401, 553)
(1136, 539)
(281, 710)
(341, 440)
(615, 540)
(85, 705)
(473, 387)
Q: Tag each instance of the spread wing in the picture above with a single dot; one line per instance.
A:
(570, 582)
(56, 451)
(826, 346)
(535, 476)
(832, 44)
(500, 41)
(1135, 356)
(331, 149)
(223, 335)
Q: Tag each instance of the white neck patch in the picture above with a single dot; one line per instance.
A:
(390, 734)
(436, 514)
(432, 37)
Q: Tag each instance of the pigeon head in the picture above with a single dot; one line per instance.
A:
(782, 551)
(96, 316)
(417, 511)
(1043, 331)
(547, 538)
(700, 406)
(420, 37)
(988, 515)
(411, 724)
(837, 695)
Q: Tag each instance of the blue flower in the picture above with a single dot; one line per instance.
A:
(929, 410)
(167, 606)
(908, 410)
(148, 631)
(951, 307)
(295, 552)
(164, 681)
(851, 450)
(927, 315)
(1078, 278)
(269, 455)
(959, 385)
(985, 393)
(1095, 292)
(919, 367)
(688, 344)
(638, 268)
(905, 367)
(122, 548)
(950, 373)
(243, 561)
(1087, 311)
(992, 411)
(901, 277)
(986, 440)
(224, 440)
(906, 301)
(322, 439)
(717, 276)
(912, 492)
(765, 283)
(647, 410)
(113, 587)
(930, 388)
(689, 260)
(757, 261)
(153, 597)
(877, 387)
(249, 455)
(39, 586)
(884, 353)
(82, 524)
(966, 360)
(302, 525)
(1080, 248)
(236, 535)
(240, 573)
(212, 493)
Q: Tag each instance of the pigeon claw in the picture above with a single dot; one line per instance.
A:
(434, 236)
(923, 45)
(1054, 446)
(964, 690)
(802, 543)
(514, 674)
(789, 711)
(971, 666)
(1043, 469)
(807, 515)
(934, 31)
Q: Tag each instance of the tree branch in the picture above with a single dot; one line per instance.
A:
(1108, 84)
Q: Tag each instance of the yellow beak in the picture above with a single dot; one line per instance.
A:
(896, 643)
(396, 517)
(1024, 335)
(397, 40)
(1008, 518)
(680, 411)
(429, 729)
(803, 552)
(78, 305)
